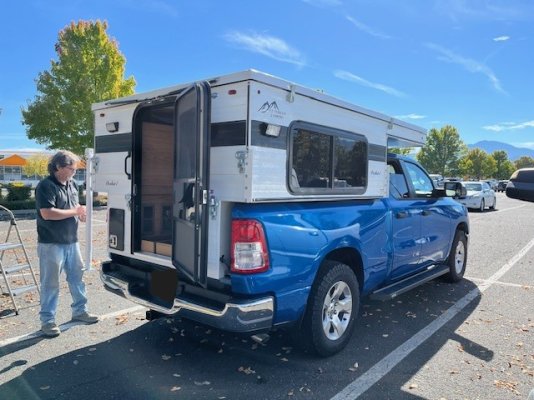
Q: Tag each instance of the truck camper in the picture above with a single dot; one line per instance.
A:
(248, 202)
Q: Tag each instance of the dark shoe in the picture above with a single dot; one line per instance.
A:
(86, 318)
(50, 329)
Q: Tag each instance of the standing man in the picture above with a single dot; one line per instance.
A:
(58, 213)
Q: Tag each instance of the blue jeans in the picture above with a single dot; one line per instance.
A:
(53, 258)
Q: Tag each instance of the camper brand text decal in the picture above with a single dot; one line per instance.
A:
(272, 110)
(112, 183)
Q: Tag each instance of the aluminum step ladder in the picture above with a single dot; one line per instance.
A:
(14, 259)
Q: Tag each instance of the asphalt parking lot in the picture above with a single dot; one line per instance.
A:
(472, 340)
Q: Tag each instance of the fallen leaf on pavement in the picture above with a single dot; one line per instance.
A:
(354, 367)
(121, 319)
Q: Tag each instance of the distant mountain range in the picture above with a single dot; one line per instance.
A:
(489, 146)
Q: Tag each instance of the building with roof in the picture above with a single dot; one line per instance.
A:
(12, 167)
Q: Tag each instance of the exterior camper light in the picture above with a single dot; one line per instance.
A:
(112, 126)
(272, 130)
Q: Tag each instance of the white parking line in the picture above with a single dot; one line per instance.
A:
(516, 285)
(384, 366)
(67, 325)
(509, 209)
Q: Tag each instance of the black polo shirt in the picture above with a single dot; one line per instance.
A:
(50, 193)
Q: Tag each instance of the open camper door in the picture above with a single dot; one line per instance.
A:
(191, 182)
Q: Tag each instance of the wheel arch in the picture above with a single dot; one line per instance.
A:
(350, 257)
(463, 227)
(346, 255)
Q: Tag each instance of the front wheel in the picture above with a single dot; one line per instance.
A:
(457, 260)
(482, 205)
(332, 307)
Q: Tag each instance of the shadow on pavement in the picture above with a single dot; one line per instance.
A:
(173, 358)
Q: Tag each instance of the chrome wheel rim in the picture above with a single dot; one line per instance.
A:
(459, 257)
(337, 309)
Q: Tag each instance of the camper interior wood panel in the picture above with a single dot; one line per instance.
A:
(157, 182)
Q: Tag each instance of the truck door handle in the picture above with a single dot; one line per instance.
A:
(402, 214)
(426, 212)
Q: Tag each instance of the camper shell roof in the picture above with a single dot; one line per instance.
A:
(290, 87)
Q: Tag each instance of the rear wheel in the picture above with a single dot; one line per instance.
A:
(494, 205)
(457, 260)
(482, 205)
(332, 307)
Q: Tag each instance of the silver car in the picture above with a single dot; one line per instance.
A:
(479, 196)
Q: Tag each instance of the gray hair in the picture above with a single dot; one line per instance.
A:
(63, 158)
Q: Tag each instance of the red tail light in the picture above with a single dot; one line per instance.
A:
(249, 247)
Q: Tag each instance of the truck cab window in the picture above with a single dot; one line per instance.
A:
(398, 187)
(421, 182)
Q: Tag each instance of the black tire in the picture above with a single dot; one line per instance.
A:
(457, 260)
(332, 308)
(492, 208)
(482, 205)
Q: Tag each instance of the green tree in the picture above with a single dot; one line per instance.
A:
(524, 162)
(36, 165)
(442, 151)
(400, 150)
(478, 164)
(504, 167)
(90, 68)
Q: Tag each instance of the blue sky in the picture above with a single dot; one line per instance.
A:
(467, 63)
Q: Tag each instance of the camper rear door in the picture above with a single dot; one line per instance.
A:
(191, 182)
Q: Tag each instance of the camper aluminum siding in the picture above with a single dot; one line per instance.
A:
(256, 168)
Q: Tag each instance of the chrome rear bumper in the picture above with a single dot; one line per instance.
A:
(236, 316)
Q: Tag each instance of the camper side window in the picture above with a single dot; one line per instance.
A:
(326, 161)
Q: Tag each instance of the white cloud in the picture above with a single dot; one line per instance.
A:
(364, 28)
(469, 64)
(411, 116)
(528, 145)
(509, 126)
(501, 38)
(269, 46)
(347, 76)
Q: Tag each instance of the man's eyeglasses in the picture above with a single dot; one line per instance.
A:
(71, 169)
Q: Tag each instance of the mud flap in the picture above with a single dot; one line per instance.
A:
(163, 285)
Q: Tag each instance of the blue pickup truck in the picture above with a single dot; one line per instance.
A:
(324, 257)
(246, 202)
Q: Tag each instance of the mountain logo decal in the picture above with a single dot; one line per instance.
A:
(272, 110)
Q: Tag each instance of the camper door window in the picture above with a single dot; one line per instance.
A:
(326, 161)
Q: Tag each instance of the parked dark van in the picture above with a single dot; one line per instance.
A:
(521, 185)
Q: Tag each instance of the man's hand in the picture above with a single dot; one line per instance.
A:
(57, 214)
(81, 213)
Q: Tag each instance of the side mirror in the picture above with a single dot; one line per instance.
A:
(455, 190)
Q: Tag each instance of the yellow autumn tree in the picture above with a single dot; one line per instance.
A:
(36, 165)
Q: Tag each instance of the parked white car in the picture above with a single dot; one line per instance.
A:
(479, 196)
